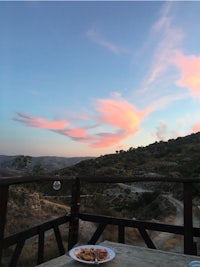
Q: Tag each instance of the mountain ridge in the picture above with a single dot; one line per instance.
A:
(175, 157)
(49, 163)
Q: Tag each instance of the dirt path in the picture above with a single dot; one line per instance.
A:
(51, 203)
(170, 241)
(161, 239)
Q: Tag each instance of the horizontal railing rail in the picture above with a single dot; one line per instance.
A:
(141, 225)
(11, 180)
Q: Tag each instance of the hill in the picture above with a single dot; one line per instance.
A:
(176, 157)
(47, 163)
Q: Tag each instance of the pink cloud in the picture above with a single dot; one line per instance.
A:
(40, 122)
(121, 115)
(108, 139)
(196, 127)
(77, 134)
(117, 115)
(190, 72)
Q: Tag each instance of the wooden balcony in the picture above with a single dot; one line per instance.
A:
(72, 220)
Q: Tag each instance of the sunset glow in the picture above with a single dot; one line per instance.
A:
(190, 73)
(86, 78)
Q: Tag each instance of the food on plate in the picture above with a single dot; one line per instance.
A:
(89, 254)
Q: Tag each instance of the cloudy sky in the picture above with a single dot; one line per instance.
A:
(90, 78)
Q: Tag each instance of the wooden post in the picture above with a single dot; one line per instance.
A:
(189, 245)
(4, 189)
(121, 234)
(74, 221)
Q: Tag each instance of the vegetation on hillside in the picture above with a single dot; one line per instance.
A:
(28, 164)
(177, 157)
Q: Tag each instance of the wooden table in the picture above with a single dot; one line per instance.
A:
(130, 256)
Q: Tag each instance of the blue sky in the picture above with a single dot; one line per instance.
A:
(90, 78)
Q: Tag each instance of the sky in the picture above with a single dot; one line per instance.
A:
(89, 78)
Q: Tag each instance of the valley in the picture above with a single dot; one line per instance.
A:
(151, 201)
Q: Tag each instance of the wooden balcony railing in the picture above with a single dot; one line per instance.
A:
(187, 230)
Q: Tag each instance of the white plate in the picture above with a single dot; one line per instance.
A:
(75, 250)
(194, 264)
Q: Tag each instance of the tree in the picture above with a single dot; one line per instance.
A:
(21, 162)
(38, 169)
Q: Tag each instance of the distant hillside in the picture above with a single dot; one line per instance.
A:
(176, 157)
(46, 162)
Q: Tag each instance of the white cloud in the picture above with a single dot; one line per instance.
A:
(96, 37)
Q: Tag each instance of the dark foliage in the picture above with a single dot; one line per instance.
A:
(177, 157)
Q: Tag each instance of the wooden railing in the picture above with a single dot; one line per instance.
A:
(187, 230)
(20, 238)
